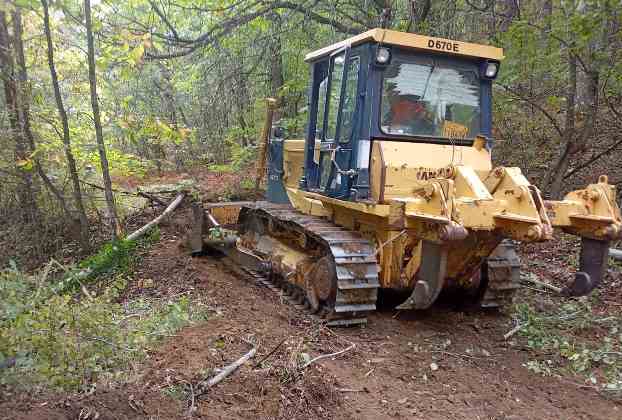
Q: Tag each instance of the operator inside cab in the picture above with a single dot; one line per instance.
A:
(408, 114)
(430, 100)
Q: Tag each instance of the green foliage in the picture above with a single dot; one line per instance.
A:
(116, 257)
(240, 158)
(577, 341)
(113, 256)
(67, 343)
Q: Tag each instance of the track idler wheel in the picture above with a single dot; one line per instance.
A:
(321, 284)
(312, 299)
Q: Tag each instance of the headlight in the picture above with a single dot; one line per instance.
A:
(383, 56)
(491, 69)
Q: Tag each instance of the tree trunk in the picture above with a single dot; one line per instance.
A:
(25, 194)
(112, 210)
(511, 12)
(71, 162)
(418, 11)
(556, 174)
(24, 109)
(170, 109)
(277, 80)
(582, 106)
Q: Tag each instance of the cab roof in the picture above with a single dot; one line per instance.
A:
(408, 40)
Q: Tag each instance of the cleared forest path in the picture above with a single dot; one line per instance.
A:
(439, 364)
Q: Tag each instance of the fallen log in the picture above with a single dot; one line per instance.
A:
(171, 207)
(616, 254)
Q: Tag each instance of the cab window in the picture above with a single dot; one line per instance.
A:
(321, 106)
(430, 99)
(349, 101)
(334, 96)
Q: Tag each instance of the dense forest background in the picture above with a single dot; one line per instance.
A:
(99, 94)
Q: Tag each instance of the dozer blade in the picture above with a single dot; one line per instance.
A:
(593, 263)
(430, 277)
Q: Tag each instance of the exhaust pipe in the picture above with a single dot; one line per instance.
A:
(592, 265)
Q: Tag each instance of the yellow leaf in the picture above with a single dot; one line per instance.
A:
(24, 164)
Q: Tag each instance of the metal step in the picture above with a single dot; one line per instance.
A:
(345, 261)
(355, 308)
(346, 285)
(338, 241)
(346, 322)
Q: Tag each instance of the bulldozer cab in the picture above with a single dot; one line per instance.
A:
(387, 85)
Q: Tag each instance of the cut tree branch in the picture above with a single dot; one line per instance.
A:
(140, 232)
(204, 386)
(325, 356)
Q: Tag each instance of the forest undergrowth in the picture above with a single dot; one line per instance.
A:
(60, 330)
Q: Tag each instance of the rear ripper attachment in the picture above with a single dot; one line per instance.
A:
(329, 269)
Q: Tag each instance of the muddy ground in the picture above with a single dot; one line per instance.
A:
(437, 364)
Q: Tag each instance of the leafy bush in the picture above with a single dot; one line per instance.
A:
(597, 355)
(67, 343)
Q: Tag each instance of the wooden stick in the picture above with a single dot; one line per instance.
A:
(616, 254)
(513, 331)
(265, 138)
(228, 370)
(543, 284)
(324, 356)
(171, 207)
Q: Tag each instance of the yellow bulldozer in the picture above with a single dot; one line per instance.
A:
(393, 188)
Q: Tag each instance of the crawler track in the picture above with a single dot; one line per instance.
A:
(350, 258)
(503, 271)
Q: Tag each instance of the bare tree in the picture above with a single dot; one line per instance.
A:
(112, 210)
(71, 162)
(25, 194)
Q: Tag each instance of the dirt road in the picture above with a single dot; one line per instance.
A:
(439, 364)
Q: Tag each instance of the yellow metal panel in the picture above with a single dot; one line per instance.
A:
(410, 166)
(434, 156)
(477, 214)
(592, 212)
(468, 184)
(377, 173)
(293, 162)
(305, 204)
(408, 40)
(382, 210)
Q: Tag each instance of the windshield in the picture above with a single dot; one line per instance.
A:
(430, 100)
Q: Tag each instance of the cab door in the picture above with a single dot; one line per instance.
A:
(340, 114)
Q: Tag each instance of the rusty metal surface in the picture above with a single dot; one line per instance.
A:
(352, 261)
(592, 266)
(225, 215)
(430, 278)
(502, 276)
(197, 230)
